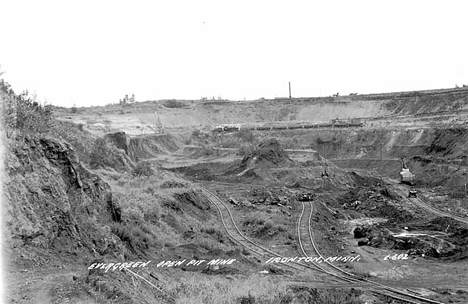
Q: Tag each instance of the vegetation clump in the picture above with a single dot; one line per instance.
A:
(172, 103)
(24, 113)
(105, 155)
(143, 169)
(138, 236)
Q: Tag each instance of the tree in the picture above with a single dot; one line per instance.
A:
(127, 99)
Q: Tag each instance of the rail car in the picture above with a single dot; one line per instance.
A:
(413, 193)
(306, 197)
(227, 128)
(269, 127)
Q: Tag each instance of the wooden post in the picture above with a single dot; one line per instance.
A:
(289, 89)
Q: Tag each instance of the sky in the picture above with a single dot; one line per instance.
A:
(92, 53)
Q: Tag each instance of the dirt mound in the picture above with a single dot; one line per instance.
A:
(268, 154)
(375, 202)
(364, 181)
(250, 175)
(457, 236)
(270, 196)
(446, 224)
(445, 246)
(192, 198)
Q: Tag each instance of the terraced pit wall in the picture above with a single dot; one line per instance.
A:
(436, 156)
(324, 109)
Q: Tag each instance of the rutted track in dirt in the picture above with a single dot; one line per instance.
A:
(304, 228)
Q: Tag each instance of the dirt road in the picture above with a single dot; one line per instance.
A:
(51, 286)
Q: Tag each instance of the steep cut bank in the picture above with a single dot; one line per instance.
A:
(146, 146)
(55, 208)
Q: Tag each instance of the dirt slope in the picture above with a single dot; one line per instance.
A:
(147, 146)
(55, 205)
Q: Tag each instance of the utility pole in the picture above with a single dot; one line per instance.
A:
(289, 90)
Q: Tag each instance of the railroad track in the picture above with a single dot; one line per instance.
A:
(234, 232)
(304, 232)
(308, 249)
(238, 237)
(230, 226)
(421, 204)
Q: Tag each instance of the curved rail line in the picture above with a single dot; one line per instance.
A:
(423, 205)
(420, 203)
(231, 229)
(240, 239)
(375, 287)
(246, 242)
(302, 245)
(234, 232)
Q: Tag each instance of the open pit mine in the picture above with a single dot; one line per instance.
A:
(343, 199)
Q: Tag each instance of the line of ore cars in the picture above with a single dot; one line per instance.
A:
(334, 123)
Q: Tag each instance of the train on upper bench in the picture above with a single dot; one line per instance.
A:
(334, 123)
